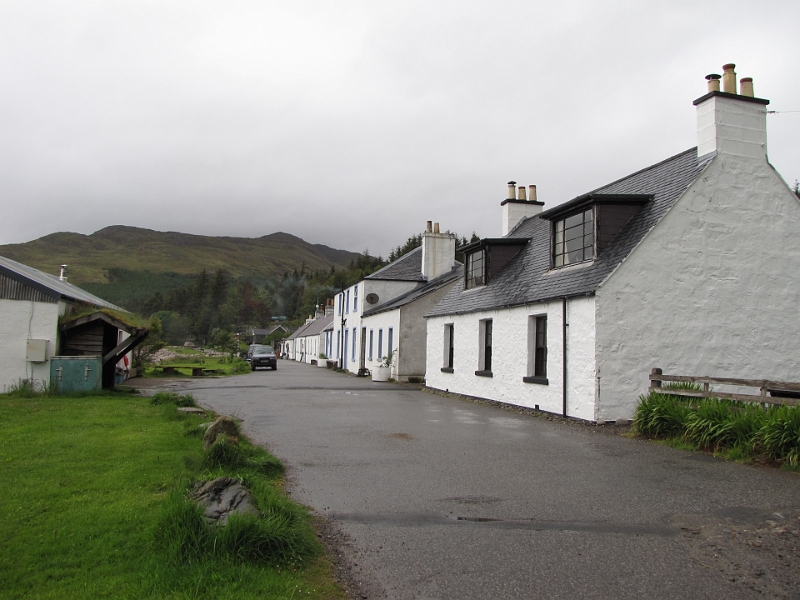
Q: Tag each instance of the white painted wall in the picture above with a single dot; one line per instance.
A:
(19, 321)
(713, 289)
(386, 291)
(384, 320)
(509, 357)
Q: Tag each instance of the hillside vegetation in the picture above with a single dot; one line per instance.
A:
(93, 259)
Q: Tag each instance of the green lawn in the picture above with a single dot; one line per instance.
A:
(215, 365)
(85, 480)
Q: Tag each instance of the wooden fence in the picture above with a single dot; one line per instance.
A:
(769, 392)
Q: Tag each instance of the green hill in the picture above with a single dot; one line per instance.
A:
(93, 259)
(127, 265)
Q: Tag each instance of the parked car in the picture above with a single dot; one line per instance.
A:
(263, 356)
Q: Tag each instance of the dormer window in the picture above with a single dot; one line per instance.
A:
(476, 269)
(583, 228)
(573, 239)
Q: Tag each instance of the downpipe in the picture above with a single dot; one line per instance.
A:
(564, 326)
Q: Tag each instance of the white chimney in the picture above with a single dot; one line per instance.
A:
(731, 123)
(516, 207)
(63, 275)
(438, 252)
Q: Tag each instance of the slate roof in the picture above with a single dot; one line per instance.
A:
(528, 277)
(316, 326)
(50, 284)
(418, 292)
(406, 268)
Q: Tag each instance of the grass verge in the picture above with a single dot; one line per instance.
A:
(90, 484)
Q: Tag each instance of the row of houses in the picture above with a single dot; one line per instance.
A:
(691, 265)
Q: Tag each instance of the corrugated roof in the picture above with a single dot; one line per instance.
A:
(50, 284)
(528, 277)
(406, 268)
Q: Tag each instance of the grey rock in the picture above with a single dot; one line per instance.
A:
(222, 425)
(222, 497)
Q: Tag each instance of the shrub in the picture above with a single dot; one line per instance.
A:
(225, 453)
(780, 434)
(710, 426)
(661, 415)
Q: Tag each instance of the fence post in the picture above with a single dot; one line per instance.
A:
(655, 383)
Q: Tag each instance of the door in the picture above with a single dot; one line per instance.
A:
(76, 373)
(344, 354)
(362, 360)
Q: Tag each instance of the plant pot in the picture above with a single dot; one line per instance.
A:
(331, 364)
(322, 363)
(381, 373)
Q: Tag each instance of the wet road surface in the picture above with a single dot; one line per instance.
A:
(437, 497)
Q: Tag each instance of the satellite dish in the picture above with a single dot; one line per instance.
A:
(372, 298)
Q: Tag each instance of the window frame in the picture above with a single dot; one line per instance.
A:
(469, 267)
(371, 340)
(537, 350)
(448, 348)
(558, 259)
(485, 337)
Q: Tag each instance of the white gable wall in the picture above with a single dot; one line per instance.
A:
(21, 320)
(510, 357)
(713, 289)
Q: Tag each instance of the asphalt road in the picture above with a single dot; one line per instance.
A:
(437, 497)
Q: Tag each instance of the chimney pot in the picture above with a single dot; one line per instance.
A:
(435, 228)
(532, 193)
(521, 193)
(729, 78)
(428, 227)
(746, 86)
(713, 82)
(512, 190)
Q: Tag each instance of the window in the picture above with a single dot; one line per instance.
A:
(347, 303)
(353, 353)
(485, 359)
(355, 299)
(389, 347)
(537, 350)
(447, 367)
(476, 269)
(380, 344)
(370, 343)
(573, 239)
(339, 304)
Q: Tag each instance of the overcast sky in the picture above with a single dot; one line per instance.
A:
(351, 123)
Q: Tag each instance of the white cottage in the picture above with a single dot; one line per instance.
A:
(690, 265)
(31, 303)
(392, 300)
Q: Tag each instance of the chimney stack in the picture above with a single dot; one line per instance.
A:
(517, 207)
(438, 252)
(63, 274)
(746, 87)
(729, 78)
(512, 190)
(731, 123)
(713, 82)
